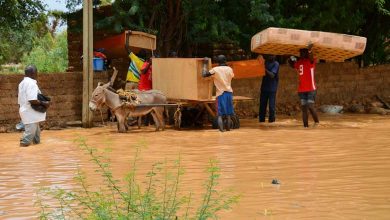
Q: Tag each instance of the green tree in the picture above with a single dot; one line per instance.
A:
(182, 24)
(56, 18)
(376, 27)
(15, 42)
(73, 4)
(49, 54)
(368, 18)
(19, 13)
(20, 22)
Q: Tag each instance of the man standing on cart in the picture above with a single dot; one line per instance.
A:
(222, 76)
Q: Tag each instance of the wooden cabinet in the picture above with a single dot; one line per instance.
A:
(180, 78)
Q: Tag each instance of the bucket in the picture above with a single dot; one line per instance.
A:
(98, 64)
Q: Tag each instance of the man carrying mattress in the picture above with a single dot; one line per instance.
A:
(305, 66)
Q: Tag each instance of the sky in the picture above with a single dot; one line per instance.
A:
(55, 4)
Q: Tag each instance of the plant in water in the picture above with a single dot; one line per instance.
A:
(159, 197)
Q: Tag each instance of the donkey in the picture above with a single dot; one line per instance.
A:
(103, 95)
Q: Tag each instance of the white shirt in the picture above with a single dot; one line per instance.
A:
(222, 76)
(28, 90)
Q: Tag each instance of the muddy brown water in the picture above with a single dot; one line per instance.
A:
(338, 170)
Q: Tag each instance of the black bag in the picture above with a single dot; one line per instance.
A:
(40, 107)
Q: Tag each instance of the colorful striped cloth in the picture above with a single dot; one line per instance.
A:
(133, 74)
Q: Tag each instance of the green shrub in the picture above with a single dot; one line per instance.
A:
(49, 54)
(11, 69)
(157, 198)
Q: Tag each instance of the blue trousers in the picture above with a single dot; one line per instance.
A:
(225, 104)
(267, 98)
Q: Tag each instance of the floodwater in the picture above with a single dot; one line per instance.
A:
(338, 170)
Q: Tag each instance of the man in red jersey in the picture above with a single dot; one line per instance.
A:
(305, 66)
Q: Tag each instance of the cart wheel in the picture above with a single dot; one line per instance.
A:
(236, 122)
(214, 123)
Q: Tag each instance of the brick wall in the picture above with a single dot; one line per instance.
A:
(65, 89)
(338, 84)
(75, 43)
(75, 51)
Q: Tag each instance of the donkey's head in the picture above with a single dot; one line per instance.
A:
(98, 98)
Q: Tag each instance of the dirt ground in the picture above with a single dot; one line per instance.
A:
(338, 170)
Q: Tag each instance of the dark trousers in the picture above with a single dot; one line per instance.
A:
(270, 99)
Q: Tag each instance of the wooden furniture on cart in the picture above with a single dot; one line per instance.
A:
(181, 78)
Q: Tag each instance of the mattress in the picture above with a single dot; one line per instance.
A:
(326, 46)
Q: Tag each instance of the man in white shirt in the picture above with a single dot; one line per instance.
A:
(27, 96)
(222, 76)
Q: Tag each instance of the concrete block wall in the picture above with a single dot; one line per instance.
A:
(65, 90)
(75, 51)
(337, 84)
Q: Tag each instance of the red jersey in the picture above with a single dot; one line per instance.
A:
(145, 80)
(306, 75)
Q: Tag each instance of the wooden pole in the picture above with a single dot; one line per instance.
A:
(87, 62)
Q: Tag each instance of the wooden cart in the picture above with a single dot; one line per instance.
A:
(205, 106)
(180, 79)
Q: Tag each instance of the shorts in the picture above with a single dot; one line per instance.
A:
(225, 104)
(307, 97)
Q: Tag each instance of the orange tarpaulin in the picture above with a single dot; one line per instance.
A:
(247, 68)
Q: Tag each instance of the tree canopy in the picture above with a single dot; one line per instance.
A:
(19, 22)
(368, 18)
(19, 13)
(182, 24)
(27, 36)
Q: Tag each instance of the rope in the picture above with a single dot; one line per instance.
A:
(97, 103)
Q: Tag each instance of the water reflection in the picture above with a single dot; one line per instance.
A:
(339, 170)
